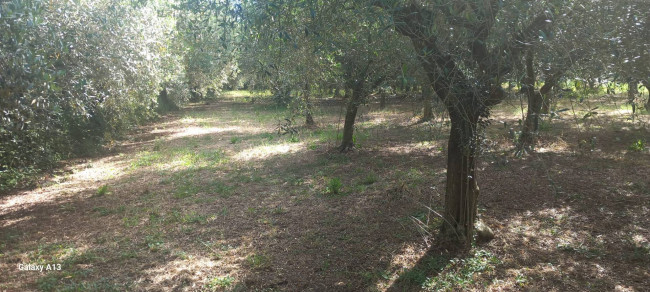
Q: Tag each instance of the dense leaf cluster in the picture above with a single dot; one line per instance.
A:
(75, 75)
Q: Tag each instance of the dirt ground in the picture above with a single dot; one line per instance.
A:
(212, 198)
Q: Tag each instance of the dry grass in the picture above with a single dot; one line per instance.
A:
(212, 199)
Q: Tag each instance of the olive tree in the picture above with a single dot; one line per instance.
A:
(467, 49)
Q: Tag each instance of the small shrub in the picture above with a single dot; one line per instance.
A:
(334, 186)
(637, 146)
(371, 178)
(103, 190)
(258, 261)
(220, 282)
(154, 242)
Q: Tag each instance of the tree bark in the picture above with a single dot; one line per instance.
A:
(461, 194)
(347, 93)
(382, 100)
(547, 103)
(646, 84)
(350, 117)
(466, 98)
(427, 98)
(337, 92)
(632, 91)
(531, 124)
(309, 119)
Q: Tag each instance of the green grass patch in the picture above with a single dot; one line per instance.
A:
(103, 190)
(637, 146)
(258, 261)
(370, 178)
(458, 274)
(220, 282)
(146, 158)
(334, 186)
(72, 281)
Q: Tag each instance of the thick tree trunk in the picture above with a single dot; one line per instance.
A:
(462, 190)
(531, 124)
(350, 117)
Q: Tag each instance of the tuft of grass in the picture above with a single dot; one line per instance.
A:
(154, 242)
(234, 140)
(370, 178)
(294, 139)
(146, 158)
(334, 186)
(103, 190)
(194, 218)
(130, 221)
(258, 261)
(637, 146)
(103, 211)
(220, 282)
(185, 191)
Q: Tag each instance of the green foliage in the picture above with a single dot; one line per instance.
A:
(370, 178)
(459, 273)
(67, 89)
(637, 146)
(258, 261)
(220, 282)
(103, 190)
(334, 186)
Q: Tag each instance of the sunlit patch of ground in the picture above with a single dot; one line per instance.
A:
(85, 179)
(264, 152)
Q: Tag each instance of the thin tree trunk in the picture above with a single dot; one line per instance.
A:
(531, 124)
(348, 93)
(309, 119)
(350, 117)
(632, 91)
(337, 92)
(428, 106)
(548, 101)
(646, 84)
